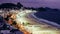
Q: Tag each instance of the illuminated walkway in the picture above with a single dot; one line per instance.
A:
(31, 26)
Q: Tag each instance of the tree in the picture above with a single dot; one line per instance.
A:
(19, 5)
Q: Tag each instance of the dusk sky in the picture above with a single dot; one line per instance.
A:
(35, 3)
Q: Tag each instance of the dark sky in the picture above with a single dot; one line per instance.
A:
(35, 3)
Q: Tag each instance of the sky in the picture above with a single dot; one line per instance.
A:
(35, 3)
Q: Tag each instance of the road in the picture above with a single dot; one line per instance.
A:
(28, 22)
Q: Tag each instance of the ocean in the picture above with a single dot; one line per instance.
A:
(53, 16)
